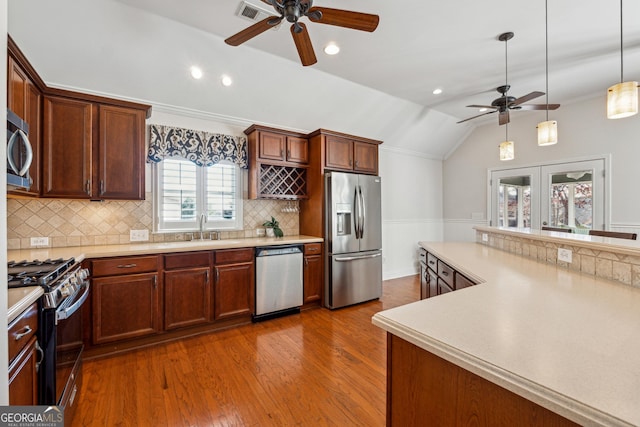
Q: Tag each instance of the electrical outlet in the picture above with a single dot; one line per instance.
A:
(565, 255)
(485, 237)
(138, 235)
(39, 241)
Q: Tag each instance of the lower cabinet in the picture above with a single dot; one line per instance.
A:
(437, 277)
(234, 283)
(23, 358)
(312, 273)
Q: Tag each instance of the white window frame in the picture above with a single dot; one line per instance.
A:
(161, 225)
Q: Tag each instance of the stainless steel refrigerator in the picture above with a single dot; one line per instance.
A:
(353, 235)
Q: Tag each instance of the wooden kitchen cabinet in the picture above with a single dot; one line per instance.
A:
(126, 301)
(437, 277)
(23, 358)
(92, 151)
(234, 283)
(313, 273)
(24, 98)
(187, 289)
(346, 154)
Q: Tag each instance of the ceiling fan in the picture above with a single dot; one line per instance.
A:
(292, 11)
(505, 103)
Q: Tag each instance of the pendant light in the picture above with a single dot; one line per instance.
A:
(548, 130)
(622, 99)
(507, 148)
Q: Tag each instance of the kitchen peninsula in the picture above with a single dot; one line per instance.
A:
(534, 342)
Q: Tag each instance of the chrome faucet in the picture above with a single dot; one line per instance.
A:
(202, 221)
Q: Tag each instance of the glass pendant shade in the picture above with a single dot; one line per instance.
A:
(507, 150)
(622, 100)
(547, 133)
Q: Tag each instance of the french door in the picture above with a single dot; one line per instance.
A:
(570, 195)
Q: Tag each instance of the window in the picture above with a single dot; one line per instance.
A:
(183, 191)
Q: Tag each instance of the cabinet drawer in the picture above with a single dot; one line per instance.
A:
(313, 249)
(443, 287)
(432, 262)
(125, 265)
(462, 281)
(22, 329)
(446, 273)
(187, 260)
(422, 255)
(228, 256)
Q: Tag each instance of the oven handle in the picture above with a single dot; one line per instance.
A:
(68, 312)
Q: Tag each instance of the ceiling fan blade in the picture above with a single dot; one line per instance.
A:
(303, 44)
(503, 117)
(345, 18)
(526, 98)
(479, 115)
(481, 106)
(540, 107)
(252, 31)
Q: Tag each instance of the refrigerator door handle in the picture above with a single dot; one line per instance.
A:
(353, 258)
(363, 213)
(356, 213)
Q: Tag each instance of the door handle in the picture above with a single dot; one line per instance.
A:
(363, 212)
(353, 258)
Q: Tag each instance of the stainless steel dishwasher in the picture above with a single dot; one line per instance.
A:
(278, 281)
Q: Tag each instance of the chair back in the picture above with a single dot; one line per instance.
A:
(561, 230)
(616, 234)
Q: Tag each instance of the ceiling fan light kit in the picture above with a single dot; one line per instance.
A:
(622, 98)
(548, 130)
(292, 11)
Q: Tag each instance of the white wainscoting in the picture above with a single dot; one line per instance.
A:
(400, 244)
(461, 230)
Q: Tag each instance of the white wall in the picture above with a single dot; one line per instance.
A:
(583, 130)
(411, 208)
(4, 387)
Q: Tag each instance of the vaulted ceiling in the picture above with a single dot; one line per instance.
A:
(380, 85)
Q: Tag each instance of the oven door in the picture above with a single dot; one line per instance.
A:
(69, 350)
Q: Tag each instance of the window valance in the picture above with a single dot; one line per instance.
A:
(200, 147)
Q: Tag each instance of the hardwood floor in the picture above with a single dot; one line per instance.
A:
(317, 368)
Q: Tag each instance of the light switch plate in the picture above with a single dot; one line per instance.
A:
(565, 255)
(138, 235)
(39, 241)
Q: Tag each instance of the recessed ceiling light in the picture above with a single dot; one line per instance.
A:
(482, 110)
(196, 72)
(226, 80)
(437, 91)
(331, 49)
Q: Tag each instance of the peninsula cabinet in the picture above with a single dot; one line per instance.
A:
(234, 283)
(125, 298)
(23, 359)
(437, 277)
(92, 151)
(187, 289)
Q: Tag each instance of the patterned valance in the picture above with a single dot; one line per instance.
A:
(202, 148)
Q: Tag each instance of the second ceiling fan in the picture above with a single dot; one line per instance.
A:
(292, 11)
(506, 103)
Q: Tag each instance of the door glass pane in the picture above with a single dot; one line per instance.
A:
(571, 201)
(514, 202)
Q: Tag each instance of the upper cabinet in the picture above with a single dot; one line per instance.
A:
(346, 154)
(85, 146)
(282, 148)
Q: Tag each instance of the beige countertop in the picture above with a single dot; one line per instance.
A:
(21, 298)
(567, 341)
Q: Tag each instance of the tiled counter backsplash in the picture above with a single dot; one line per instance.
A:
(76, 223)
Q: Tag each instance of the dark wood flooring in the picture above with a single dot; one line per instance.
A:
(317, 368)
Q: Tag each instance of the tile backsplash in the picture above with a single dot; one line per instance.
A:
(78, 222)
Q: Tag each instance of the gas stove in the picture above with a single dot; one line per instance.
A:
(36, 272)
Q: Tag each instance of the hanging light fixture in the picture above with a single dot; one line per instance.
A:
(507, 148)
(622, 99)
(548, 130)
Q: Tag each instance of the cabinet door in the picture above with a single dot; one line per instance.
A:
(297, 150)
(234, 290)
(365, 157)
(125, 307)
(121, 154)
(424, 282)
(338, 153)
(187, 297)
(272, 146)
(67, 148)
(23, 376)
(312, 278)
(432, 283)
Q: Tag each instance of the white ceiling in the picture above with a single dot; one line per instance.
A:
(141, 49)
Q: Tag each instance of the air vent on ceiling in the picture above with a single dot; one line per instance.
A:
(254, 13)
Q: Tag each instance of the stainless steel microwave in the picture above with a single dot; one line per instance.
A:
(19, 152)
